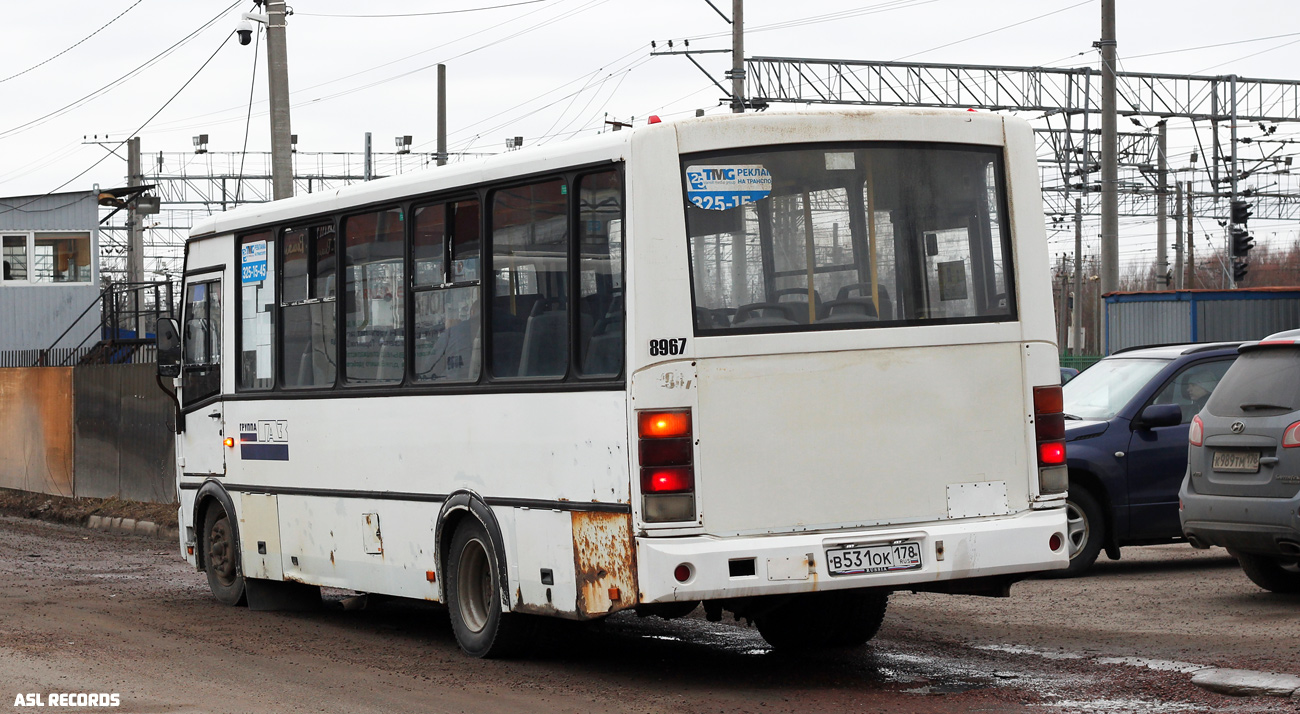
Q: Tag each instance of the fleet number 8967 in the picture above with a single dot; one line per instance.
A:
(668, 346)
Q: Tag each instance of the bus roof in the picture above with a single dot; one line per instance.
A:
(609, 146)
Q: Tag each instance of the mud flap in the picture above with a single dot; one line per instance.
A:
(271, 595)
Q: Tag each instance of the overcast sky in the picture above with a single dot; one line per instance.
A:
(350, 75)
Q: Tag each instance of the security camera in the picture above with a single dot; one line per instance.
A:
(245, 31)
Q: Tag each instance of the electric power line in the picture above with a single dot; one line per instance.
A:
(74, 45)
(423, 14)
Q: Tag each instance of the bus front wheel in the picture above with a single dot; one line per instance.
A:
(473, 596)
(842, 618)
(221, 557)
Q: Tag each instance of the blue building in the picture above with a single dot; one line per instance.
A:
(1173, 316)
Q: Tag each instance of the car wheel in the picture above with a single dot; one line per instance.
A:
(473, 596)
(1271, 573)
(846, 618)
(1085, 531)
(221, 557)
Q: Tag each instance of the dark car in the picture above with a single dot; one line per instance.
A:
(1127, 418)
(1242, 489)
(1068, 373)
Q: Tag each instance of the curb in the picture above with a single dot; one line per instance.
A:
(132, 527)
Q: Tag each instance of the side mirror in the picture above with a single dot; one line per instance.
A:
(1159, 415)
(169, 348)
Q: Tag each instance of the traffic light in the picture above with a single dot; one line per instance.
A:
(1240, 212)
(1242, 241)
(1239, 269)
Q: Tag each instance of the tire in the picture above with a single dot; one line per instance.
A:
(1271, 573)
(1085, 532)
(221, 558)
(474, 597)
(848, 618)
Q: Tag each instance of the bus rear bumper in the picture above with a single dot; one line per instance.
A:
(746, 566)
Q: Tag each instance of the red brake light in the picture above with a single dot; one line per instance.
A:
(1291, 437)
(1196, 432)
(677, 479)
(1051, 453)
(1048, 400)
(663, 425)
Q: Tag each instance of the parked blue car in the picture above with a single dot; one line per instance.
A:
(1127, 418)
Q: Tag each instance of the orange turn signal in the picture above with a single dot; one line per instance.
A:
(661, 425)
(229, 442)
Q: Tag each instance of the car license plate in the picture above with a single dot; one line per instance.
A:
(1246, 462)
(875, 558)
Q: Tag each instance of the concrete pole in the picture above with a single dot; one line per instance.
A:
(134, 240)
(1162, 209)
(1109, 154)
(1232, 174)
(277, 65)
(1078, 277)
(1063, 309)
(737, 57)
(442, 115)
(1178, 235)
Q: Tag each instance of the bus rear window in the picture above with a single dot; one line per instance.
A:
(849, 236)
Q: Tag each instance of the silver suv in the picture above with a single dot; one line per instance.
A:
(1242, 489)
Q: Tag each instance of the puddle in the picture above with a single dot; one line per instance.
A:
(1124, 706)
(1023, 649)
(1160, 665)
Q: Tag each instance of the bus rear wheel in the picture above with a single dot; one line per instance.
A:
(221, 557)
(843, 618)
(473, 596)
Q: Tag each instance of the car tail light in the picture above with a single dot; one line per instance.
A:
(1049, 434)
(666, 448)
(1196, 432)
(1291, 437)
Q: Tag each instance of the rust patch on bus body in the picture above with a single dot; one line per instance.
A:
(604, 562)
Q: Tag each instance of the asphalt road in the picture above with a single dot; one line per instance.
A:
(89, 612)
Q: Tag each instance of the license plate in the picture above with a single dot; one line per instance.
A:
(1246, 462)
(874, 558)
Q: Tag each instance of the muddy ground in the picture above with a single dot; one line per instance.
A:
(84, 611)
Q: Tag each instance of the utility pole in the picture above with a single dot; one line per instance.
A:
(277, 65)
(1232, 174)
(1109, 154)
(1178, 235)
(134, 236)
(369, 165)
(442, 115)
(1062, 307)
(1162, 208)
(1191, 244)
(1078, 277)
(737, 57)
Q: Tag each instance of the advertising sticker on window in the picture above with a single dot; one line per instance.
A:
(721, 188)
(252, 262)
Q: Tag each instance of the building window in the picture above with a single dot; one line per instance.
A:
(15, 257)
(60, 258)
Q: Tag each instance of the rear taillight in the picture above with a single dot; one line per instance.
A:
(666, 448)
(1291, 437)
(1196, 432)
(1049, 435)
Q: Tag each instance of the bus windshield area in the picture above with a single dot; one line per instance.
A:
(847, 236)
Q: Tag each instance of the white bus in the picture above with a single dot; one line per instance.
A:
(777, 364)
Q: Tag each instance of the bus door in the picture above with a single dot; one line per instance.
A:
(200, 446)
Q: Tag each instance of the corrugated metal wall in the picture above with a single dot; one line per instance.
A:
(36, 424)
(1132, 324)
(1225, 320)
(125, 435)
(32, 316)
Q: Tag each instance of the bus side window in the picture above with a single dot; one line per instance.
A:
(600, 288)
(530, 264)
(446, 294)
(375, 291)
(257, 312)
(201, 369)
(307, 307)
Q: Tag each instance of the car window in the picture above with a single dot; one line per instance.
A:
(1191, 388)
(1103, 389)
(1262, 382)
